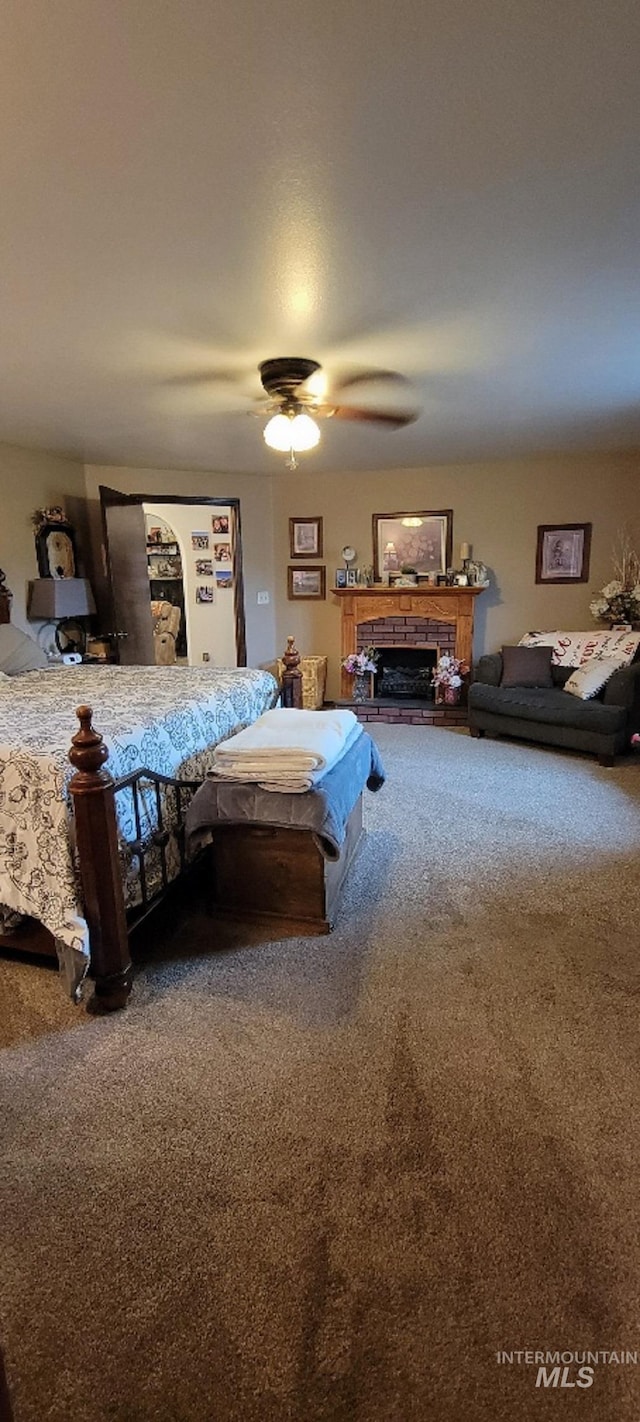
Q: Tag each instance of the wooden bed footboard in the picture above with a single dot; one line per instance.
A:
(94, 793)
(100, 863)
(92, 788)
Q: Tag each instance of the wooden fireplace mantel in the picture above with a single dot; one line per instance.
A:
(368, 604)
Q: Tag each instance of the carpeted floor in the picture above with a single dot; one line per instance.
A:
(330, 1178)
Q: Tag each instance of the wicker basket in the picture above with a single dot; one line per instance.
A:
(314, 681)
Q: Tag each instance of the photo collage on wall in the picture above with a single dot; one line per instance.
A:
(215, 558)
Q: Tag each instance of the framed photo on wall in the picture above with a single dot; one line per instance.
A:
(421, 541)
(562, 553)
(306, 584)
(305, 537)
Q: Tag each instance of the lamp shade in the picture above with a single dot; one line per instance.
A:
(53, 598)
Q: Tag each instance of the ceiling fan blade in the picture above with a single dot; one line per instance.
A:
(359, 378)
(205, 377)
(393, 419)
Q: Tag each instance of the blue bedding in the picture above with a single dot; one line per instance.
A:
(324, 810)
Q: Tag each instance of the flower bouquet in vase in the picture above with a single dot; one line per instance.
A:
(619, 600)
(359, 665)
(447, 679)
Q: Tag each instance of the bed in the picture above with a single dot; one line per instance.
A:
(81, 854)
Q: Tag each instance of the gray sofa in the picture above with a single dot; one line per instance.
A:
(554, 717)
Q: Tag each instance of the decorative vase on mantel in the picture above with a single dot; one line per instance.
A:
(360, 690)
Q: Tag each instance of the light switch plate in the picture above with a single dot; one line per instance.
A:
(263, 598)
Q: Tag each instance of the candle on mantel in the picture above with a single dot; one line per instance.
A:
(465, 552)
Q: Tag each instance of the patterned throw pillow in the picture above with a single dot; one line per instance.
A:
(586, 681)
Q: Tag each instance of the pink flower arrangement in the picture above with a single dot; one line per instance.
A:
(359, 663)
(450, 671)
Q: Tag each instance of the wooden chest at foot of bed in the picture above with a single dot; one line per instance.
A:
(280, 876)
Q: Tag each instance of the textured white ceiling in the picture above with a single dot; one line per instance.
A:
(449, 188)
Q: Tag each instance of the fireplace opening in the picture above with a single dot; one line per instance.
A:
(405, 672)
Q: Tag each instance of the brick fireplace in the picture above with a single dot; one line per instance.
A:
(437, 620)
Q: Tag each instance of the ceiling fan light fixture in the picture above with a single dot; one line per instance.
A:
(295, 385)
(291, 434)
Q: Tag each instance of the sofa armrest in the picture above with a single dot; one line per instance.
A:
(623, 689)
(489, 669)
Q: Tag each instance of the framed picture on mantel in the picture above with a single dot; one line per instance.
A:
(418, 541)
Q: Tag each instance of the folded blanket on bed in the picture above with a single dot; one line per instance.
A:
(286, 750)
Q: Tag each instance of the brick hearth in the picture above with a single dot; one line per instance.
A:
(423, 713)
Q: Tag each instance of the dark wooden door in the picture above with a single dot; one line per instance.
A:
(6, 1414)
(124, 529)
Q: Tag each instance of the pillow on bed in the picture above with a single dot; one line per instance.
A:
(19, 652)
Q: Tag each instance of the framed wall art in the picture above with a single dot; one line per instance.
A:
(306, 584)
(305, 537)
(562, 553)
(420, 541)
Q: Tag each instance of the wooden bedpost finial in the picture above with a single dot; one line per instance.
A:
(291, 691)
(291, 657)
(88, 751)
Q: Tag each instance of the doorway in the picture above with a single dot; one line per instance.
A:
(166, 579)
(207, 535)
(205, 579)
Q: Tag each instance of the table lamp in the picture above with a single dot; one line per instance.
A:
(63, 601)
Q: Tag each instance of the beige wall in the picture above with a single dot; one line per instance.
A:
(496, 507)
(29, 480)
(256, 518)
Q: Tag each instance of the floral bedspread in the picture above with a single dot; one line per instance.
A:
(165, 718)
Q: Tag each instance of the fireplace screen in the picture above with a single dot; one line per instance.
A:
(405, 672)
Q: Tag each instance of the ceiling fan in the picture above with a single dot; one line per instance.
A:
(296, 397)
